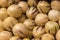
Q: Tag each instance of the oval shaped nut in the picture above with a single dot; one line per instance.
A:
(9, 23)
(14, 10)
(51, 27)
(31, 13)
(26, 39)
(36, 39)
(41, 19)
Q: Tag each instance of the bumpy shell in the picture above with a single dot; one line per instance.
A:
(9, 23)
(31, 12)
(54, 15)
(30, 24)
(26, 39)
(43, 7)
(59, 21)
(3, 13)
(5, 35)
(51, 27)
(38, 32)
(36, 39)
(23, 5)
(58, 35)
(55, 5)
(41, 19)
(20, 30)
(48, 37)
(14, 11)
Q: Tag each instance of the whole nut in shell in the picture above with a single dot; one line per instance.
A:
(23, 5)
(14, 10)
(43, 7)
(48, 37)
(3, 13)
(5, 35)
(55, 5)
(41, 19)
(20, 30)
(30, 24)
(38, 32)
(54, 15)
(51, 27)
(26, 39)
(31, 12)
(36, 39)
(9, 23)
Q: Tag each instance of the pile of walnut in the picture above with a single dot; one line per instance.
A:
(29, 20)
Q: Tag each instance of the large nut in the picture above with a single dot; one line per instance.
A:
(26, 39)
(55, 5)
(5, 35)
(43, 7)
(41, 19)
(20, 30)
(51, 27)
(36, 39)
(31, 12)
(53, 15)
(30, 24)
(23, 5)
(14, 11)
(3, 13)
(38, 32)
(9, 22)
(48, 37)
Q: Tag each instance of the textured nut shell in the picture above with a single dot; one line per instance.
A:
(38, 32)
(41, 19)
(20, 30)
(3, 13)
(43, 7)
(53, 15)
(5, 35)
(26, 39)
(14, 11)
(36, 39)
(48, 37)
(23, 5)
(9, 23)
(31, 12)
(51, 27)
(30, 24)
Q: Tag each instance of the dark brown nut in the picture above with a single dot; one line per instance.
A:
(5, 35)
(15, 38)
(1, 26)
(5, 3)
(30, 24)
(51, 27)
(31, 12)
(22, 18)
(16, 1)
(38, 32)
(20, 30)
(53, 15)
(3, 13)
(55, 5)
(32, 3)
(43, 7)
(36, 39)
(14, 11)
(9, 22)
(58, 35)
(48, 37)
(41, 19)
(59, 21)
(26, 39)
(23, 5)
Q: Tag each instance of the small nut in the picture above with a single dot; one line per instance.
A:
(26, 39)
(36, 39)
(9, 22)
(31, 12)
(23, 5)
(20, 30)
(51, 27)
(41, 19)
(43, 7)
(5, 35)
(53, 15)
(48, 37)
(38, 32)
(14, 11)
(30, 24)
